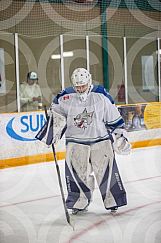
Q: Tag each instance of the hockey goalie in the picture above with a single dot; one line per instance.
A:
(94, 131)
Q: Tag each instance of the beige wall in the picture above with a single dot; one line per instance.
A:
(39, 27)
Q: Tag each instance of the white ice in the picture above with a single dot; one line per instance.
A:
(31, 209)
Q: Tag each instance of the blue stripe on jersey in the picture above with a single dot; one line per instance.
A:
(72, 140)
(100, 89)
(120, 123)
(66, 91)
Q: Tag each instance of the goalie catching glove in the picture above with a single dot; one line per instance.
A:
(120, 142)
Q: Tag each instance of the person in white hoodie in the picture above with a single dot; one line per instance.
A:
(30, 93)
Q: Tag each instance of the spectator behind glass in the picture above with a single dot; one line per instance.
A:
(30, 93)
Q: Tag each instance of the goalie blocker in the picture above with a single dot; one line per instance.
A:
(53, 129)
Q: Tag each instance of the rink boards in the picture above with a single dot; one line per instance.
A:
(18, 145)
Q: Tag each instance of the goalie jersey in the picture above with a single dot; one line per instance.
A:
(87, 122)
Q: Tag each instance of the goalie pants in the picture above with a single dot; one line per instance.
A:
(82, 161)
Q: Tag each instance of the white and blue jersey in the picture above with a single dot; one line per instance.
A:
(88, 148)
(87, 121)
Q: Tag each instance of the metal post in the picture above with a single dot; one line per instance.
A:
(103, 10)
(87, 52)
(62, 62)
(17, 72)
(159, 91)
(125, 71)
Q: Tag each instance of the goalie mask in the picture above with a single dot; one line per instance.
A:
(81, 80)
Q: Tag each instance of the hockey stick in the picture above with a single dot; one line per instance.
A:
(59, 179)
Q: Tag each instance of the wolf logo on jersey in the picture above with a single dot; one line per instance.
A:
(83, 119)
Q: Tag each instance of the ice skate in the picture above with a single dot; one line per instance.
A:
(114, 210)
(76, 211)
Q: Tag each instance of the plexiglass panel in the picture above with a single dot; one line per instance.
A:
(8, 98)
(41, 55)
(74, 55)
(95, 59)
(142, 70)
(116, 69)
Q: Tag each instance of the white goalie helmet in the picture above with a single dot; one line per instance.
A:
(81, 77)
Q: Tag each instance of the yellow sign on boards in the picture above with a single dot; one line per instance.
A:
(152, 115)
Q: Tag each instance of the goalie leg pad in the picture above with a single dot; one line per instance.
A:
(78, 176)
(107, 174)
